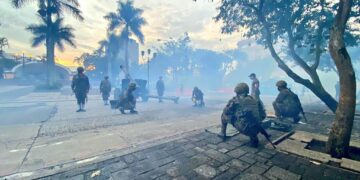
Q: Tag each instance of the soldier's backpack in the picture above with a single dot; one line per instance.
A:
(247, 115)
(293, 103)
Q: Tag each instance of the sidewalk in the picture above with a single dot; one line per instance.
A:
(205, 156)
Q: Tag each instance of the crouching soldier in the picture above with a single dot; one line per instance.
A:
(198, 97)
(128, 100)
(287, 103)
(245, 114)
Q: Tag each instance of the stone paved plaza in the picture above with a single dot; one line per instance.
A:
(102, 144)
(205, 156)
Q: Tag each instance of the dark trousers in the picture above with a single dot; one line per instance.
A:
(80, 97)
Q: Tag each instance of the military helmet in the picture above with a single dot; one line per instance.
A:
(241, 88)
(281, 84)
(80, 69)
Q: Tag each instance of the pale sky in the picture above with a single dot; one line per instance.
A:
(166, 18)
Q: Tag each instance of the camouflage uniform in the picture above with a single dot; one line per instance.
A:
(198, 96)
(128, 100)
(238, 112)
(287, 103)
(105, 89)
(80, 86)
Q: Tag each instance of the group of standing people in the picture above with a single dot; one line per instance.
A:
(127, 101)
(80, 86)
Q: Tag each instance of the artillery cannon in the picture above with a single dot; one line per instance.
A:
(140, 92)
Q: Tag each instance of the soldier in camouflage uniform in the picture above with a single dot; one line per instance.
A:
(198, 97)
(287, 103)
(105, 89)
(244, 113)
(80, 86)
(128, 100)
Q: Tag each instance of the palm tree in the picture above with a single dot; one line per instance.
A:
(128, 19)
(80, 60)
(3, 43)
(47, 10)
(103, 44)
(60, 34)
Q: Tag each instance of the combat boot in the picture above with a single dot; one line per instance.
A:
(83, 108)
(79, 110)
(222, 134)
(254, 141)
(132, 111)
(297, 119)
(122, 111)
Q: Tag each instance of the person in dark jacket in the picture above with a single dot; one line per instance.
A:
(80, 86)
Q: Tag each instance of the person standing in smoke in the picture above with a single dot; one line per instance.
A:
(255, 87)
(160, 87)
(80, 86)
(105, 89)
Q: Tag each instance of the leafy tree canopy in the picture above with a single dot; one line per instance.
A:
(300, 25)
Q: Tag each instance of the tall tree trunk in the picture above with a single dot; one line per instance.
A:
(126, 35)
(50, 55)
(316, 86)
(340, 134)
(127, 56)
(50, 47)
(109, 66)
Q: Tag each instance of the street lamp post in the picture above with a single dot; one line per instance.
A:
(149, 57)
(23, 64)
(148, 67)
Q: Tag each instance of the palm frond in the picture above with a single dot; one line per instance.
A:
(115, 21)
(38, 40)
(74, 2)
(60, 46)
(37, 29)
(73, 9)
(138, 33)
(20, 3)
